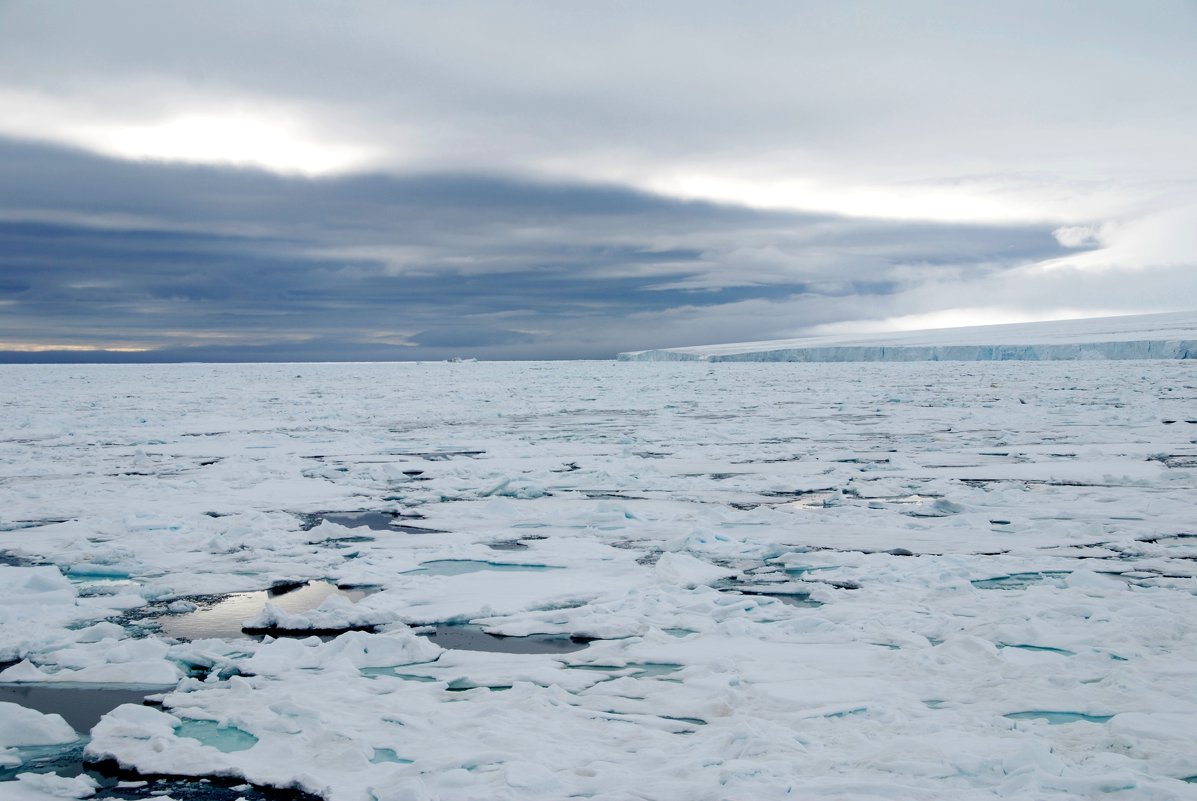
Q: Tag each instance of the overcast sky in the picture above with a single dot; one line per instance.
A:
(311, 181)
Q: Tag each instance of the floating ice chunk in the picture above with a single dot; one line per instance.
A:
(335, 613)
(1141, 728)
(1089, 786)
(150, 672)
(47, 786)
(101, 631)
(360, 650)
(1056, 718)
(389, 649)
(126, 661)
(528, 777)
(405, 788)
(97, 570)
(34, 586)
(1092, 583)
(718, 544)
(965, 649)
(945, 507)
(688, 571)
(515, 488)
(138, 671)
(21, 726)
(24, 671)
(133, 721)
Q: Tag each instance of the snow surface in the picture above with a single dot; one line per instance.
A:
(334, 612)
(1145, 336)
(20, 726)
(972, 542)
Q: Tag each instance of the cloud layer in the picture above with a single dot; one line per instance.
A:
(552, 180)
(215, 262)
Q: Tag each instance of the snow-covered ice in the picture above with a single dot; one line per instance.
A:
(855, 581)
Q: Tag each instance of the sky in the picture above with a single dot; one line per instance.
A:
(229, 181)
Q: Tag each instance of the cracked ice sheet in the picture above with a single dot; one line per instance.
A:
(642, 485)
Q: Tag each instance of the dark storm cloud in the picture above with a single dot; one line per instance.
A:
(469, 336)
(219, 263)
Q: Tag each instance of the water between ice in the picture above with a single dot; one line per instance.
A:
(374, 521)
(388, 755)
(224, 620)
(81, 705)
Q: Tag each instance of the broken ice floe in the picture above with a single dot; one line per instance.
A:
(960, 543)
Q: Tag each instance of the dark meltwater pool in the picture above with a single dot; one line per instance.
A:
(81, 705)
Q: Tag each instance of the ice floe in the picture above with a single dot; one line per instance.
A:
(604, 580)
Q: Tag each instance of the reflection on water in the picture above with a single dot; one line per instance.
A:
(223, 621)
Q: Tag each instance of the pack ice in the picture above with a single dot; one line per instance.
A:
(604, 580)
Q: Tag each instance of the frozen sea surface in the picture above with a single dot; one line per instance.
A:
(602, 580)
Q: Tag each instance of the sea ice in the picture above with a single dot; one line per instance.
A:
(21, 726)
(994, 563)
(334, 614)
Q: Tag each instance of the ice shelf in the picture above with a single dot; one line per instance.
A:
(1150, 336)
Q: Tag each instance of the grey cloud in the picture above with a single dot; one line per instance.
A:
(500, 202)
(867, 91)
(469, 336)
(99, 251)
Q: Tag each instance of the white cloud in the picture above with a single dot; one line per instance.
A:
(919, 110)
(1077, 236)
(227, 131)
(1159, 239)
(954, 318)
